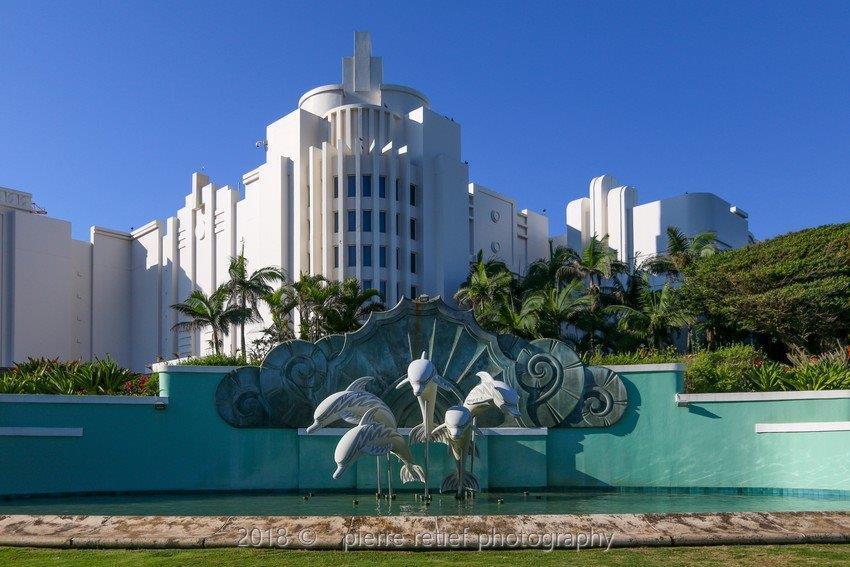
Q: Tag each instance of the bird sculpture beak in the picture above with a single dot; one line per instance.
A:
(314, 427)
(338, 472)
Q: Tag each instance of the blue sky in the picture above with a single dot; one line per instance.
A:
(106, 108)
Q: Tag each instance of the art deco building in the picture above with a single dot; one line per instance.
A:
(362, 180)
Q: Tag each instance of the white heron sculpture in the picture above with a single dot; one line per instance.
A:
(424, 381)
(371, 437)
(456, 431)
(350, 405)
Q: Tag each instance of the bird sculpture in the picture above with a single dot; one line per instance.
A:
(371, 437)
(350, 405)
(456, 431)
(489, 394)
(424, 380)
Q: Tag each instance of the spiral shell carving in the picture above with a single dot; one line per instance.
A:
(239, 401)
(604, 400)
(293, 381)
(551, 378)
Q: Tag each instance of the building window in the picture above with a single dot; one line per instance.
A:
(336, 256)
(336, 186)
(397, 226)
(352, 221)
(382, 257)
(383, 290)
(352, 256)
(397, 190)
(413, 292)
(413, 229)
(352, 186)
(413, 262)
(366, 225)
(412, 195)
(382, 187)
(397, 261)
(367, 284)
(367, 185)
(382, 221)
(336, 221)
(308, 195)
(367, 256)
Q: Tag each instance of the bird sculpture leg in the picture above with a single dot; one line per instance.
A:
(427, 434)
(389, 477)
(460, 484)
(472, 448)
(378, 472)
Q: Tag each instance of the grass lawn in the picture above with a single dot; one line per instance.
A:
(773, 555)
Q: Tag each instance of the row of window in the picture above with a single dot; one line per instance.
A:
(366, 184)
(366, 223)
(351, 258)
(368, 284)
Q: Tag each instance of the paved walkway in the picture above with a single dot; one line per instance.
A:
(419, 532)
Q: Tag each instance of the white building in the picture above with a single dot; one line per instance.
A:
(362, 180)
(638, 232)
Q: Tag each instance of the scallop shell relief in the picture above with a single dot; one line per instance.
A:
(555, 388)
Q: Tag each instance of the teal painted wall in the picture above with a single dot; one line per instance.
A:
(703, 445)
(188, 447)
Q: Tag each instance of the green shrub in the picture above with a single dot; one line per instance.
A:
(822, 375)
(769, 377)
(640, 356)
(75, 377)
(726, 369)
(215, 360)
(791, 290)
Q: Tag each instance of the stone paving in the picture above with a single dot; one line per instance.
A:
(424, 532)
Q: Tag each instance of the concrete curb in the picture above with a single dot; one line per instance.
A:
(424, 532)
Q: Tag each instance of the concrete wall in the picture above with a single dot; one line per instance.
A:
(120, 444)
(692, 213)
(637, 232)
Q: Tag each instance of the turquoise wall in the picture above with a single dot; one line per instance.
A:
(188, 447)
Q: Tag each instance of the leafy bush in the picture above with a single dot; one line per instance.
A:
(75, 377)
(215, 360)
(723, 370)
(769, 377)
(789, 290)
(821, 375)
(640, 356)
(743, 368)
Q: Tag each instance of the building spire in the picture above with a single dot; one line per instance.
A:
(362, 72)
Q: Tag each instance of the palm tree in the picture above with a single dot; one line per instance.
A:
(488, 283)
(247, 290)
(210, 311)
(280, 305)
(656, 316)
(351, 306)
(596, 263)
(503, 317)
(549, 271)
(681, 252)
(313, 298)
(558, 306)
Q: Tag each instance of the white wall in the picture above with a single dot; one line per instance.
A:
(692, 213)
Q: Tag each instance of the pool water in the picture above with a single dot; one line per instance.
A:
(406, 503)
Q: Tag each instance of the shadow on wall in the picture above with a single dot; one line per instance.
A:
(153, 290)
(565, 446)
